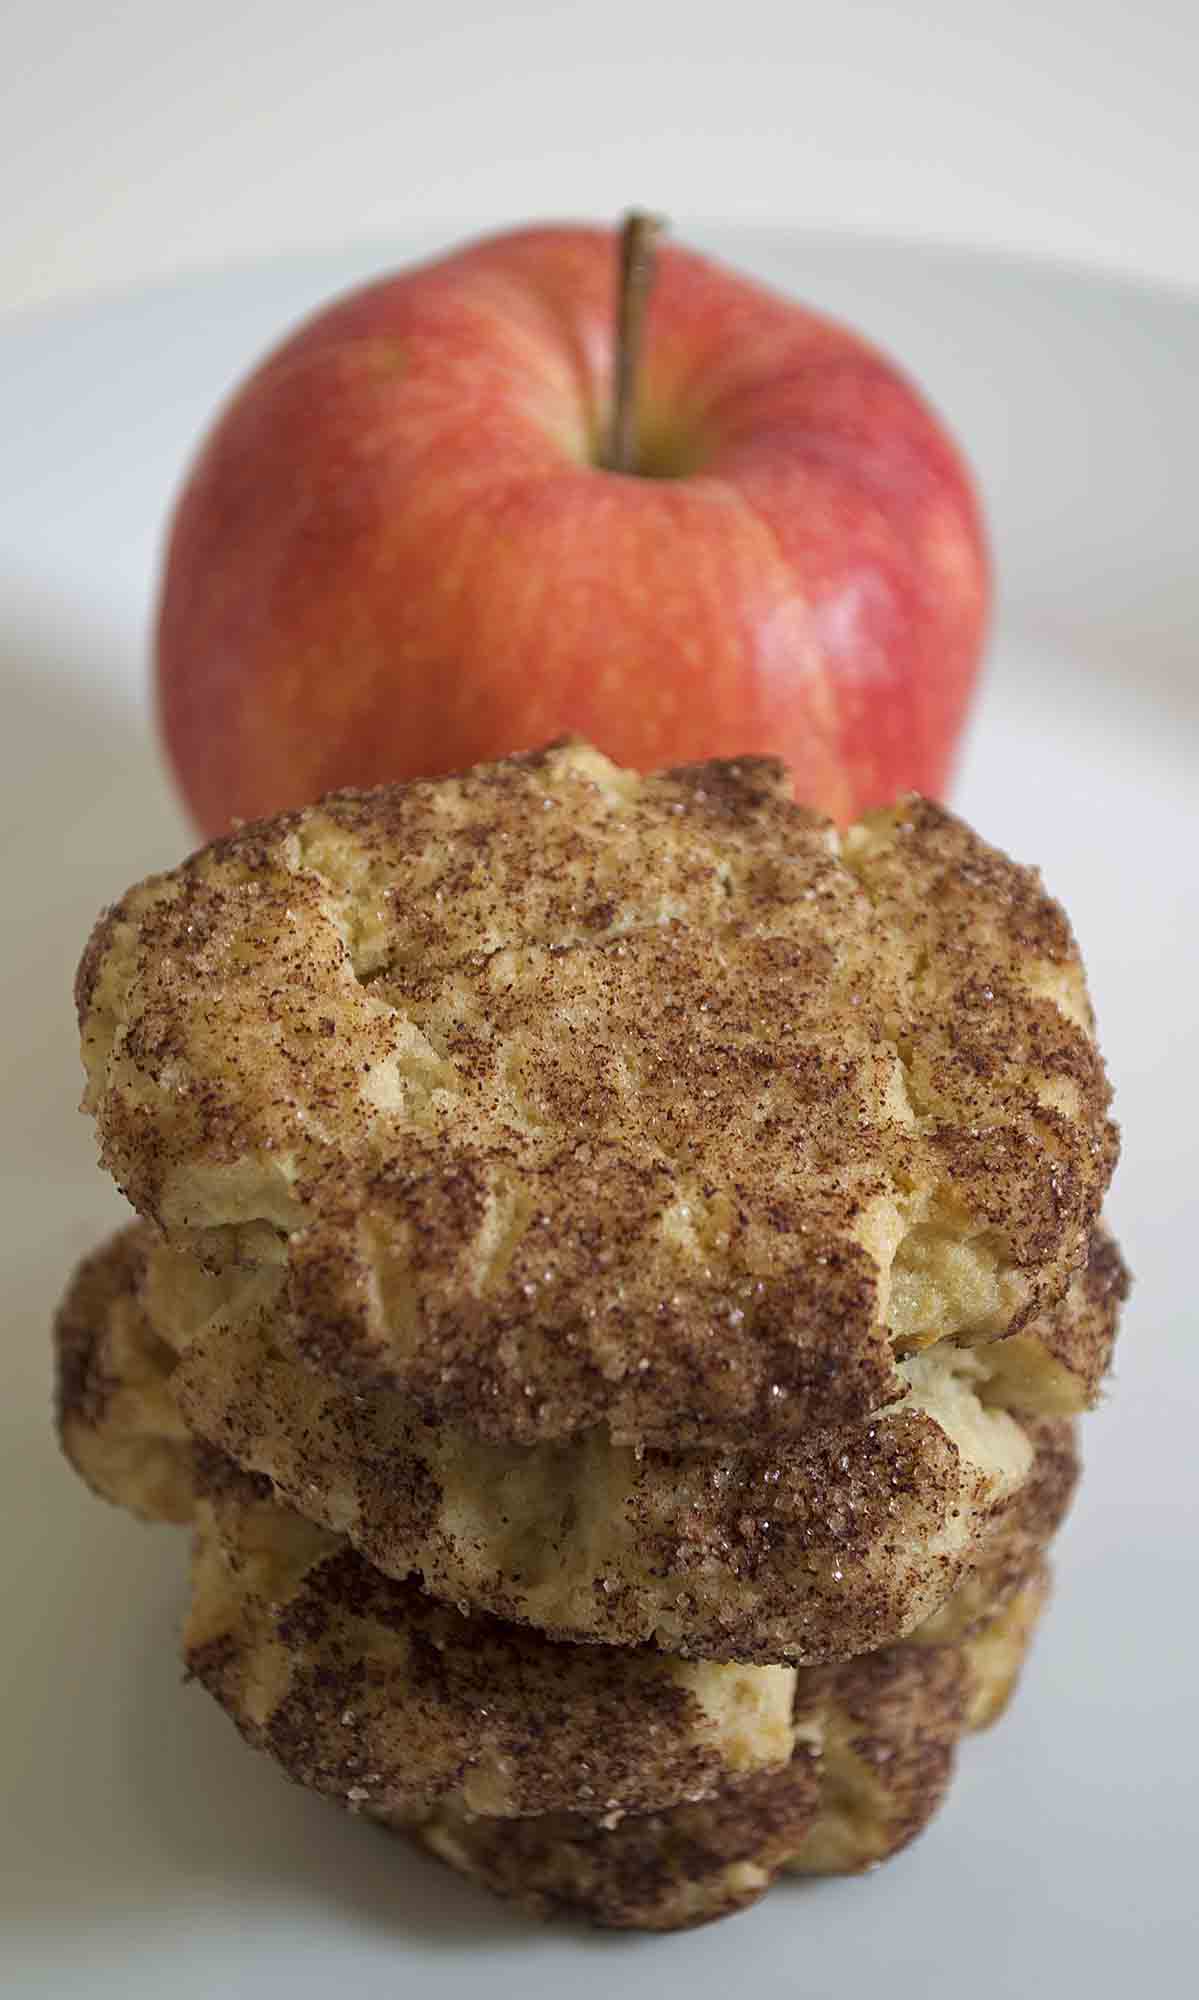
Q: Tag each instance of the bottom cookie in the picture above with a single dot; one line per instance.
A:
(875, 1746)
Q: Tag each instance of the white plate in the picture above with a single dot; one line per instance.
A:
(143, 1850)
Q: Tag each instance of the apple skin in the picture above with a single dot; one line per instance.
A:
(397, 554)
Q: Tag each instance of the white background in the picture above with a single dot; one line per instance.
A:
(141, 137)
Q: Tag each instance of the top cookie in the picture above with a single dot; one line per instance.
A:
(564, 1096)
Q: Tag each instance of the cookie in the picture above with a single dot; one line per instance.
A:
(841, 1543)
(875, 1750)
(370, 1691)
(555, 1097)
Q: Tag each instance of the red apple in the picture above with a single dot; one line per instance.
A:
(399, 552)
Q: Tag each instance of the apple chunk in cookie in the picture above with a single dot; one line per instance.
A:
(560, 1097)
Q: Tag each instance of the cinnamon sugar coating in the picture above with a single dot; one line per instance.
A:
(840, 1543)
(359, 1684)
(368, 1690)
(876, 1741)
(557, 1097)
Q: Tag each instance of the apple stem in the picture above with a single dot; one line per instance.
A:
(638, 241)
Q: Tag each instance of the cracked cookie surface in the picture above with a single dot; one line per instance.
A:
(560, 1096)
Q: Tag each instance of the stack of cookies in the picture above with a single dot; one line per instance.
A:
(617, 1267)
